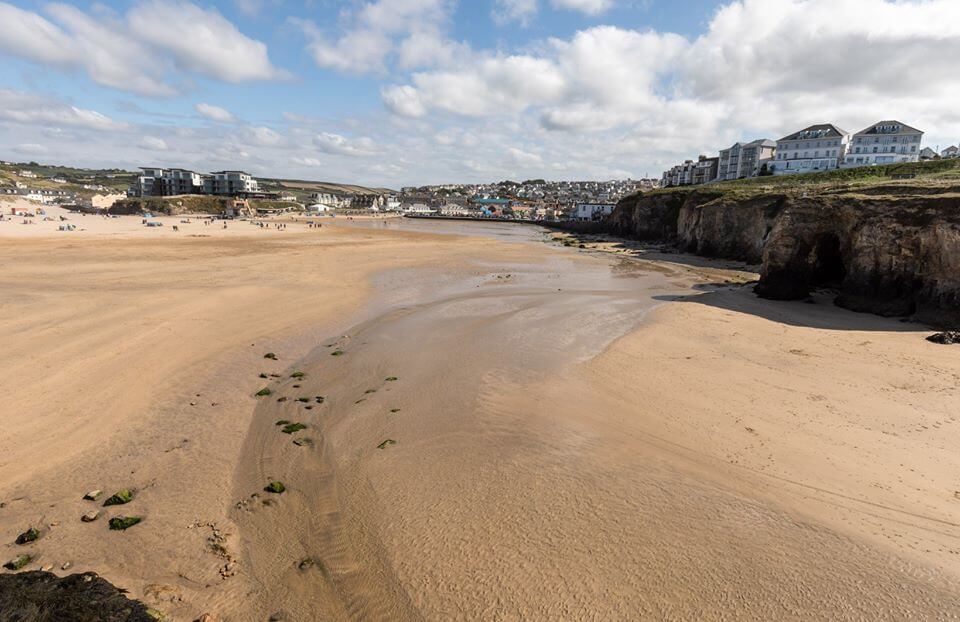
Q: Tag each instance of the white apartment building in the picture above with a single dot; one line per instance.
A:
(230, 183)
(885, 142)
(745, 160)
(164, 182)
(812, 149)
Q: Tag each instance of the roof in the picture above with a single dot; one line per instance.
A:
(761, 142)
(902, 128)
(829, 130)
(222, 172)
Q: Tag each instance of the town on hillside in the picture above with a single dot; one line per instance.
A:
(816, 148)
(230, 193)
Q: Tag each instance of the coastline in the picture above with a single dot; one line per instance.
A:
(558, 437)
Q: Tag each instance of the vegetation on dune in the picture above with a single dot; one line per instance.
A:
(292, 428)
(263, 392)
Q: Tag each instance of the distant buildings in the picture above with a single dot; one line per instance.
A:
(885, 142)
(820, 147)
(163, 182)
(950, 152)
(815, 148)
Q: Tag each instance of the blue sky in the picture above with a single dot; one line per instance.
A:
(400, 92)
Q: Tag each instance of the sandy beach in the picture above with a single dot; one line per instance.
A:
(496, 428)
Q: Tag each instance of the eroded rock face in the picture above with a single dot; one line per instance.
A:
(38, 596)
(895, 255)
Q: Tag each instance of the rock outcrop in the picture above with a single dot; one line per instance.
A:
(895, 252)
(44, 597)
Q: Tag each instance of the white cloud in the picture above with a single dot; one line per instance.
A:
(152, 143)
(215, 113)
(30, 148)
(403, 100)
(335, 144)
(514, 11)
(32, 109)
(202, 41)
(136, 52)
(380, 30)
(263, 136)
(590, 7)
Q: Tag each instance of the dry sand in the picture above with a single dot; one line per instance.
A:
(576, 436)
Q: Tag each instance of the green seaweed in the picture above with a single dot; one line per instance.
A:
(394, 410)
(18, 562)
(386, 443)
(28, 536)
(275, 487)
(282, 422)
(292, 428)
(392, 379)
(122, 523)
(270, 355)
(120, 497)
(303, 399)
(337, 353)
(297, 374)
(264, 392)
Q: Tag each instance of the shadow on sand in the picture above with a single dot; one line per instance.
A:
(818, 311)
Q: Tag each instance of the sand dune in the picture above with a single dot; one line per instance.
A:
(574, 436)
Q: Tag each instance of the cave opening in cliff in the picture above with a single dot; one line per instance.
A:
(828, 267)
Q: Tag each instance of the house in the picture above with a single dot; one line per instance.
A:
(884, 142)
(706, 170)
(28, 174)
(950, 152)
(927, 154)
(593, 211)
(330, 199)
(816, 148)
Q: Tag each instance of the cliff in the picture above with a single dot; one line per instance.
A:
(891, 249)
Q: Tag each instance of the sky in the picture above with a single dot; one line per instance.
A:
(409, 92)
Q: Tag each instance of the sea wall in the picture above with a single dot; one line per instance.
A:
(896, 254)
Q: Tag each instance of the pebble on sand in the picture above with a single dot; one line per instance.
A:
(90, 516)
(93, 495)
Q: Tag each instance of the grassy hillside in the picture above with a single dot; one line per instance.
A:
(113, 180)
(933, 176)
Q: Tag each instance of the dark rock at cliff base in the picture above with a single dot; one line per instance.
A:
(948, 338)
(40, 596)
(782, 288)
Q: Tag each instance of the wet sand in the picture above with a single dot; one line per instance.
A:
(576, 436)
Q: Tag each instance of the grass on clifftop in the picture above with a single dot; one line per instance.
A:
(942, 175)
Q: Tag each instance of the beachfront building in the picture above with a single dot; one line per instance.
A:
(816, 148)
(950, 152)
(706, 170)
(927, 154)
(885, 142)
(593, 211)
(756, 155)
(229, 183)
(164, 182)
